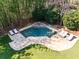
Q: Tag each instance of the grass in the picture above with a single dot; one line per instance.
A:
(35, 52)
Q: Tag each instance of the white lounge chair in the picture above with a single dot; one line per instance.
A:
(70, 37)
(63, 33)
(15, 31)
(11, 32)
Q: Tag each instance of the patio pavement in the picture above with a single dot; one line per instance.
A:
(56, 42)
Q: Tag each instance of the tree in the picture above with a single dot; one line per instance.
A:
(49, 14)
(39, 13)
(53, 15)
(71, 20)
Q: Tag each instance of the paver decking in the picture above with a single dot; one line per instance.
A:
(55, 42)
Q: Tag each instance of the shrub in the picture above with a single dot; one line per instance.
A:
(50, 14)
(53, 15)
(71, 20)
(39, 13)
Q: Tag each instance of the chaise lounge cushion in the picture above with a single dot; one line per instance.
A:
(15, 31)
(63, 34)
(11, 32)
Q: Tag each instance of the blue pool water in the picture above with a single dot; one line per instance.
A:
(37, 31)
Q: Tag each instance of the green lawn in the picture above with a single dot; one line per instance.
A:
(35, 52)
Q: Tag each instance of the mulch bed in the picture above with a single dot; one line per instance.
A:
(58, 27)
(73, 32)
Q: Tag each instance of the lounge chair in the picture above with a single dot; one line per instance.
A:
(63, 34)
(70, 37)
(11, 32)
(15, 31)
(73, 38)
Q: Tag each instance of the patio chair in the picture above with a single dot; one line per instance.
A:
(73, 38)
(70, 37)
(15, 31)
(63, 34)
(11, 32)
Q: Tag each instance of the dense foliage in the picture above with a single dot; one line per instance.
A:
(53, 15)
(39, 13)
(50, 14)
(13, 12)
(71, 20)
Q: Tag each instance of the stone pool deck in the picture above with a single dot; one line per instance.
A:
(56, 42)
(60, 44)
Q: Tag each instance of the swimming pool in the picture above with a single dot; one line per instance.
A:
(37, 31)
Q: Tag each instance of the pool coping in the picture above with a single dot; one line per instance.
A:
(34, 24)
